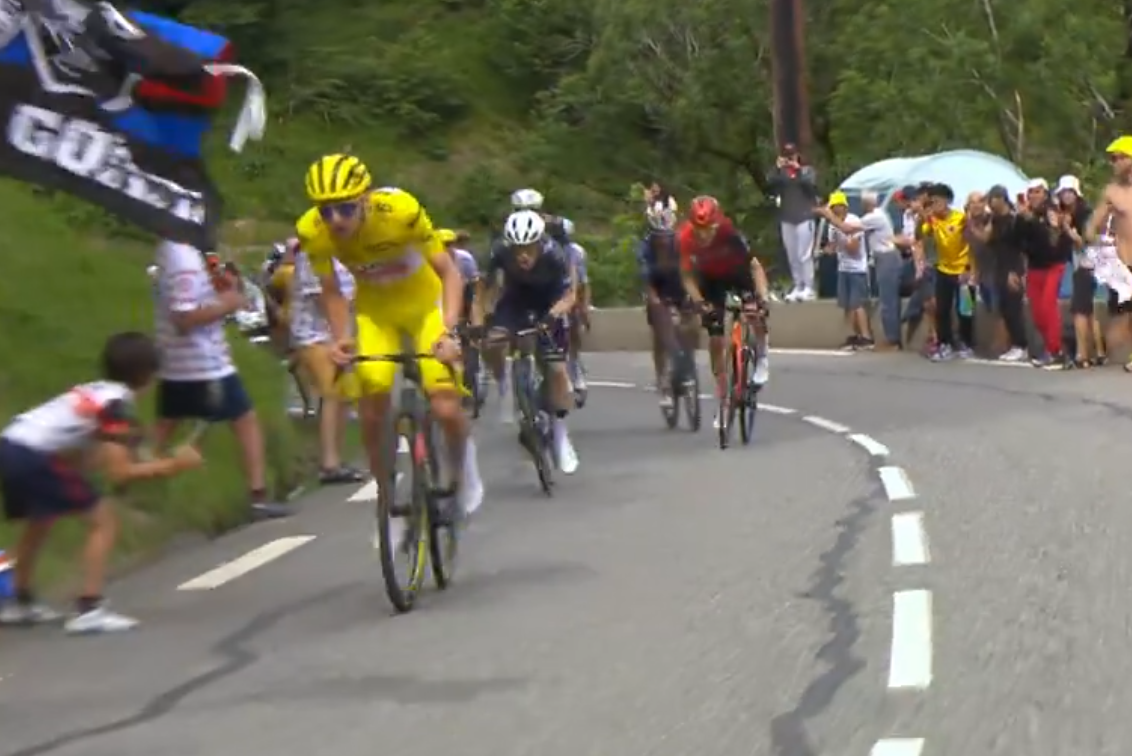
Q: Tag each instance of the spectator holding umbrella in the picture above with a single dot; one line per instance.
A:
(793, 183)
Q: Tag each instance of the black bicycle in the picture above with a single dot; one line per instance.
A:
(683, 387)
(430, 514)
(739, 394)
(473, 383)
(529, 359)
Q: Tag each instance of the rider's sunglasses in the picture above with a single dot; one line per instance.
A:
(344, 210)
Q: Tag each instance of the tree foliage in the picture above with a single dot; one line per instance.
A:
(588, 96)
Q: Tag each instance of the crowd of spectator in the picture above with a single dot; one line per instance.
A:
(948, 264)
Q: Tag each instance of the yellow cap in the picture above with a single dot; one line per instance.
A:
(1122, 145)
(446, 235)
(838, 198)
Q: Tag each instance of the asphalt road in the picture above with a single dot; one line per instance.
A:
(671, 598)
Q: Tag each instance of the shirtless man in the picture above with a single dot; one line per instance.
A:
(1109, 224)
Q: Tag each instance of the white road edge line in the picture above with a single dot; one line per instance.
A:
(910, 664)
(898, 747)
(897, 486)
(612, 384)
(869, 444)
(242, 565)
(812, 352)
(774, 409)
(909, 539)
(824, 424)
(368, 492)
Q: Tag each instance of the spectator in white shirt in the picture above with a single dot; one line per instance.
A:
(310, 338)
(852, 270)
(198, 380)
(879, 237)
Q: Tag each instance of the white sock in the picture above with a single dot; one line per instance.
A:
(561, 432)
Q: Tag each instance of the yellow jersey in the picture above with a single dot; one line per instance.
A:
(279, 287)
(954, 253)
(388, 256)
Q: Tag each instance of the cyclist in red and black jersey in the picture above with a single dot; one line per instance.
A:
(715, 260)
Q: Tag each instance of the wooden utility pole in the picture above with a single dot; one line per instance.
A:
(788, 57)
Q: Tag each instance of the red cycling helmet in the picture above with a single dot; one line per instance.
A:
(705, 212)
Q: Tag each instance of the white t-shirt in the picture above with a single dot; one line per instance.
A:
(72, 420)
(878, 232)
(308, 324)
(847, 262)
(184, 285)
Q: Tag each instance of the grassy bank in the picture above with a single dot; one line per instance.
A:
(61, 294)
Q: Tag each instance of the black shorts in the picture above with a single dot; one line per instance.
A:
(469, 298)
(37, 486)
(715, 290)
(217, 401)
(1084, 289)
(1116, 307)
(513, 315)
(669, 287)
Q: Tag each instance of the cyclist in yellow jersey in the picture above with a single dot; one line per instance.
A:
(407, 284)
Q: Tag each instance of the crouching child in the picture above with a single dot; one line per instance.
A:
(46, 455)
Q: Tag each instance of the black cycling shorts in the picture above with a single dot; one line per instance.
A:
(669, 287)
(715, 290)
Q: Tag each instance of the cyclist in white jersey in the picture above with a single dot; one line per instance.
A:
(44, 455)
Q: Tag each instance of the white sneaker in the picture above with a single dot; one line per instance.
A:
(761, 375)
(99, 620)
(1014, 354)
(807, 295)
(12, 613)
(565, 454)
(792, 295)
(666, 401)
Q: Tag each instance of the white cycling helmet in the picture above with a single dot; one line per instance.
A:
(661, 216)
(568, 226)
(526, 199)
(523, 227)
(152, 272)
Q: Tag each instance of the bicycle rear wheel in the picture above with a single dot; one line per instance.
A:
(407, 538)
(443, 531)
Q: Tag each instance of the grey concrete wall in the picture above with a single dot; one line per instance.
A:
(807, 325)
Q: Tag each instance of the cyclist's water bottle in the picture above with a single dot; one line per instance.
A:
(966, 302)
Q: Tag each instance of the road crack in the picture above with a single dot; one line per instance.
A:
(788, 731)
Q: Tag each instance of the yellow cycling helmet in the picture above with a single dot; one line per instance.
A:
(337, 178)
(838, 198)
(446, 236)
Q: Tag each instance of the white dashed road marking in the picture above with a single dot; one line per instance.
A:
(242, 565)
(774, 409)
(898, 747)
(869, 444)
(910, 664)
(824, 424)
(909, 541)
(897, 487)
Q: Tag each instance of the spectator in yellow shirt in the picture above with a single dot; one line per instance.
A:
(946, 226)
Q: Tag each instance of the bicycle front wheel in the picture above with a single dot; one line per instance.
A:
(729, 401)
(443, 531)
(532, 435)
(750, 403)
(691, 392)
(402, 517)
